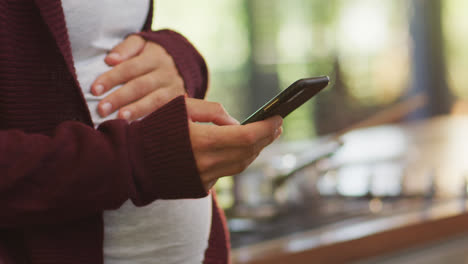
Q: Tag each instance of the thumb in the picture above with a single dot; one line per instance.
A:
(129, 48)
(204, 111)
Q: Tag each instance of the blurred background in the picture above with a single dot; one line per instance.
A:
(375, 52)
(379, 55)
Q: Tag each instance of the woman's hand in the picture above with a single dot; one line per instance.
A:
(148, 74)
(226, 148)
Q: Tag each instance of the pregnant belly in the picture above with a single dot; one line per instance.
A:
(169, 231)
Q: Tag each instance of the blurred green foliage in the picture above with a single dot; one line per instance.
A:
(264, 45)
(296, 39)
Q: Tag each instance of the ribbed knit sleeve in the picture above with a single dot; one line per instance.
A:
(164, 161)
(189, 62)
(80, 171)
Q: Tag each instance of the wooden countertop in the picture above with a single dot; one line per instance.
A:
(442, 142)
(360, 238)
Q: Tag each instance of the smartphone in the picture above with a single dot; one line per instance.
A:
(291, 98)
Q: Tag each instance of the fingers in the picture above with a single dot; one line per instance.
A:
(227, 150)
(262, 132)
(204, 111)
(149, 103)
(130, 47)
(121, 73)
(232, 142)
(229, 169)
(232, 158)
(133, 68)
(264, 129)
(148, 74)
(142, 96)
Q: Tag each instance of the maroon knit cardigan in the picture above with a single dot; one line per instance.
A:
(58, 173)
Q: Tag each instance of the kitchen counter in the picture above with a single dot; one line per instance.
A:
(390, 188)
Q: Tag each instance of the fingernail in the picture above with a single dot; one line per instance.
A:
(233, 120)
(114, 56)
(278, 132)
(98, 89)
(106, 108)
(126, 114)
(279, 122)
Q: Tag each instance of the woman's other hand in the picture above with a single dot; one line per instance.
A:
(226, 148)
(148, 74)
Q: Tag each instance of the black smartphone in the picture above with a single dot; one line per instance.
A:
(291, 98)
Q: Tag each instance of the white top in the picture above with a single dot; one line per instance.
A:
(166, 231)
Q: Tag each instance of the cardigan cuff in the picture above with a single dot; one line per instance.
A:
(167, 169)
(189, 62)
